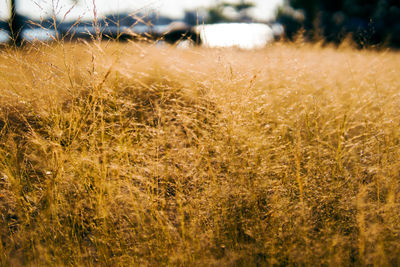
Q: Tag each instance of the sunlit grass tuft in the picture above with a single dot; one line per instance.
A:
(131, 154)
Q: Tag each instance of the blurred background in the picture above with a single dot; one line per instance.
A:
(369, 23)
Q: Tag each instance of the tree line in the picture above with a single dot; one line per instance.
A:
(367, 22)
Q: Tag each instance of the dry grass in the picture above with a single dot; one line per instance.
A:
(129, 154)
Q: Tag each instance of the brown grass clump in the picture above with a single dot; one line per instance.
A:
(128, 154)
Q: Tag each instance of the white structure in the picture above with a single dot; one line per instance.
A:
(241, 35)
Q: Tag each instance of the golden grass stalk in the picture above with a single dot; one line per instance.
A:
(132, 154)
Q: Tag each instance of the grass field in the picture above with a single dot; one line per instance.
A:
(131, 154)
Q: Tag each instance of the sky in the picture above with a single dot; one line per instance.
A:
(37, 9)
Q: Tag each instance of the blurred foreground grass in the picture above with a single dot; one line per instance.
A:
(131, 154)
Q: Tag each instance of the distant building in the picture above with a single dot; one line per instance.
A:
(241, 35)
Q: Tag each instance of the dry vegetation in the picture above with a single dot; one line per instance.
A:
(131, 154)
